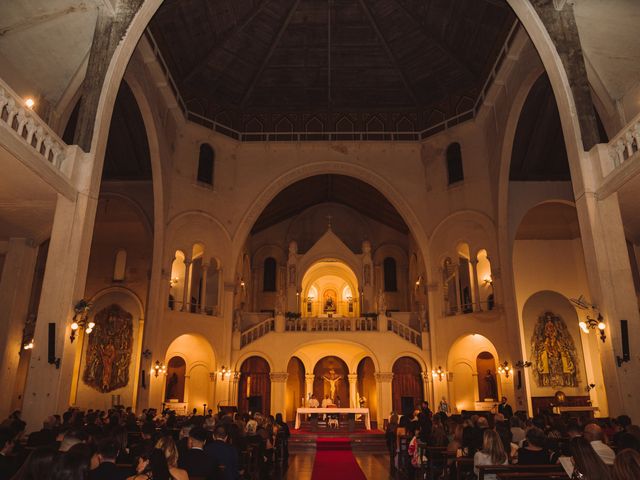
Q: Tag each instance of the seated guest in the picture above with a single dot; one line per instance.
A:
(223, 455)
(70, 466)
(593, 434)
(168, 447)
(477, 434)
(38, 464)
(7, 461)
(45, 436)
(626, 440)
(194, 460)
(517, 431)
(152, 465)
(587, 464)
(627, 465)
(71, 438)
(107, 452)
(492, 453)
(535, 452)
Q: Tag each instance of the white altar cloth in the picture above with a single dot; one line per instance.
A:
(357, 411)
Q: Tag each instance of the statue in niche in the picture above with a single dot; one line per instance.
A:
(172, 383)
(109, 350)
(553, 353)
(332, 379)
(491, 388)
(281, 302)
(382, 303)
(292, 274)
(367, 274)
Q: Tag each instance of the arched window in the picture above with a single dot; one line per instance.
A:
(269, 276)
(454, 163)
(205, 164)
(390, 276)
(120, 265)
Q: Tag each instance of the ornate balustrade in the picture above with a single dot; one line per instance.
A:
(404, 331)
(30, 128)
(254, 333)
(626, 144)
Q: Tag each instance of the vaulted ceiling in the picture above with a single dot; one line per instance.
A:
(330, 65)
(339, 189)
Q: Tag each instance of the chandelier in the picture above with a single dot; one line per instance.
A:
(80, 319)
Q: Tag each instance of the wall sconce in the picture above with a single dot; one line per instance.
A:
(28, 345)
(523, 364)
(173, 282)
(438, 373)
(242, 284)
(80, 319)
(504, 369)
(159, 368)
(487, 280)
(225, 372)
(29, 103)
(591, 323)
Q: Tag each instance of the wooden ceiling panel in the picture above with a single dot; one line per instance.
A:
(321, 56)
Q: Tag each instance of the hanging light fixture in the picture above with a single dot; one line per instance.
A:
(439, 373)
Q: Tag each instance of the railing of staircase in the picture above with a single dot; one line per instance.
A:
(404, 331)
(30, 128)
(257, 331)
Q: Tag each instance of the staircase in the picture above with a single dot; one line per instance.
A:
(257, 331)
(404, 331)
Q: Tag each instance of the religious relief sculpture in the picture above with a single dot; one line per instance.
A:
(382, 303)
(332, 379)
(109, 350)
(554, 354)
(281, 303)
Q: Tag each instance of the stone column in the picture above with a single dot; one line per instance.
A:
(48, 388)
(279, 393)
(186, 290)
(15, 293)
(385, 395)
(353, 388)
(426, 378)
(477, 306)
(308, 383)
(612, 290)
(203, 296)
(456, 280)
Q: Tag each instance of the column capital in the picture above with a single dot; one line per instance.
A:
(353, 377)
(384, 377)
(309, 377)
(278, 377)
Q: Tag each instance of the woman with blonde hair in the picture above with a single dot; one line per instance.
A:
(627, 465)
(170, 451)
(492, 453)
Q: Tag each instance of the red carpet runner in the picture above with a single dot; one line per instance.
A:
(335, 461)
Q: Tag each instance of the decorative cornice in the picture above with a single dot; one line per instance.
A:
(384, 377)
(278, 377)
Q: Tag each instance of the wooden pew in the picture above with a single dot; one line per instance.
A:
(529, 469)
(532, 476)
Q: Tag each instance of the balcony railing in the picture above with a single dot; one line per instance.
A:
(331, 324)
(30, 128)
(626, 144)
(196, 308)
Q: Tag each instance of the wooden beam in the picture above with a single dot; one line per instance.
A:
(267, 57)
(436, 42)
(222, 45)
(390, 54)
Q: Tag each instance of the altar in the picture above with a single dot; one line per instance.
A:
(329, 410)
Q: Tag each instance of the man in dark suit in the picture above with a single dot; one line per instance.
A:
(46, 436)
(7, 461)
(505, 409)
(223, 456)
(107, 451)
(194, 461)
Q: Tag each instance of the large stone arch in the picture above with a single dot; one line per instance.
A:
(330, 167)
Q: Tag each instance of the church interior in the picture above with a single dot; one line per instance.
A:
(257, 205)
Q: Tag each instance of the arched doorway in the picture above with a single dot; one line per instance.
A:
(367, 394)
(254, 388)
(406, 387)
(176, 371)
(192, 354)
(471, 364)
(331, 371)
(295, 387)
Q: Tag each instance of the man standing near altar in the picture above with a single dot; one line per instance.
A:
(327, 401)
